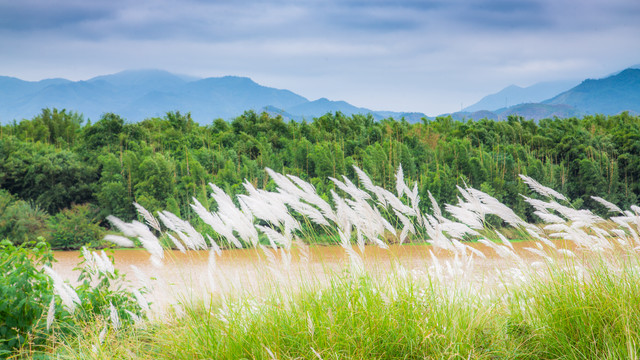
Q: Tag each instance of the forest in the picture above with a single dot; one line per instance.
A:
(61, 176)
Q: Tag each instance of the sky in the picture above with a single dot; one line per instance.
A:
(433, 56)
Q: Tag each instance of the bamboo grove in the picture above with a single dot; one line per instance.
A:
(58, 171)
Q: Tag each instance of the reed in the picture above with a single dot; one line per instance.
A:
(571, 302)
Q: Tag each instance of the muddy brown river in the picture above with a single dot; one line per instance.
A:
(248, 271)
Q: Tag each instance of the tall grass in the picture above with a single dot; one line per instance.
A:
(571, 301)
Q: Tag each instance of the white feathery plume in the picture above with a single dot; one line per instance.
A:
(414, 197)
(343, 212)
(501, 250)
(396, 203)
(582, 215)
(465, 216)
(150, 219)
(352, 191)
(611, 206)
(101, 336)
(176, 243)
(68, 296)
(549, 218)
(357, 265)
(312, 197)
(89, 262)
(149, 241)
(407, 225)
(285, 255)
(401, 187)
(309, 211)
(214, 246)
(143, 279)
(635, 208)
(305, 255)
(360, 240)
(124, 227)
(113, 316)
(216, 223)
(137, 321)
(51, 312)
(434, 205)
(436, 265)
(105, 263)
(476, 251)
(119, 240)
(233, 217)
(365, 180)
(275, 236)
(504, 239)
(539, 204)
(491, 205)
(156, 261)
(544, 240)
(456, 229)
(538, 252)
(566, 252)
(540, 189)
(142, 302)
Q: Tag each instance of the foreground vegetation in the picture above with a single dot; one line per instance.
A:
(559, 316)
(60, 177)
(574, 302)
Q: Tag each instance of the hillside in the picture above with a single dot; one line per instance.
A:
(515, 95)
(139, 94)
(611, 95)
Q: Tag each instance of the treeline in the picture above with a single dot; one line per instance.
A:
(60, 177)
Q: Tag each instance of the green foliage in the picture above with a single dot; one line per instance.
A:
(75, 227)
(20, 221)
(99, 289)
(165, 161)
(25, 292)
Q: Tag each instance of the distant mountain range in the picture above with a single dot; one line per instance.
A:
(139, 94)
(611, 95)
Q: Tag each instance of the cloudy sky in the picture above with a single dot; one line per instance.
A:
(430, 56)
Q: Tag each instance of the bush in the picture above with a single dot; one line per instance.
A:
(76, 227)
(21, 221)
(25, 291)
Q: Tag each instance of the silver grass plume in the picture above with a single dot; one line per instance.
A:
(365, 180)
(150, 219)
(540, 189)
(68, 296)
(113, 316)
(176, 243)
(612, 207)
(216, 223)
(233, 217)
(313, 198)
(119, 240)
(51, 312)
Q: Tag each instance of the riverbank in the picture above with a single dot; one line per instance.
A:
(558, 312)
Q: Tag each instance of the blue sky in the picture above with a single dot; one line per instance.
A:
(430, 56)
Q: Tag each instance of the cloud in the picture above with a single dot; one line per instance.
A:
(400, 55)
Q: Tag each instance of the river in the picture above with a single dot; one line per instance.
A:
(185, 275)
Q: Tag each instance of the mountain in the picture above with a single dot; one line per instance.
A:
(535, 111)
(139, 94)
(515, 95)
(611, 95)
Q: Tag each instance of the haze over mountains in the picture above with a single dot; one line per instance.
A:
(139, 94)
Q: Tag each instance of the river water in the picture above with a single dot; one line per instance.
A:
(187, 276)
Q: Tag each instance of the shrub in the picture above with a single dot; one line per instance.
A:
(75, 227)
(21, 221)
(25, 291)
